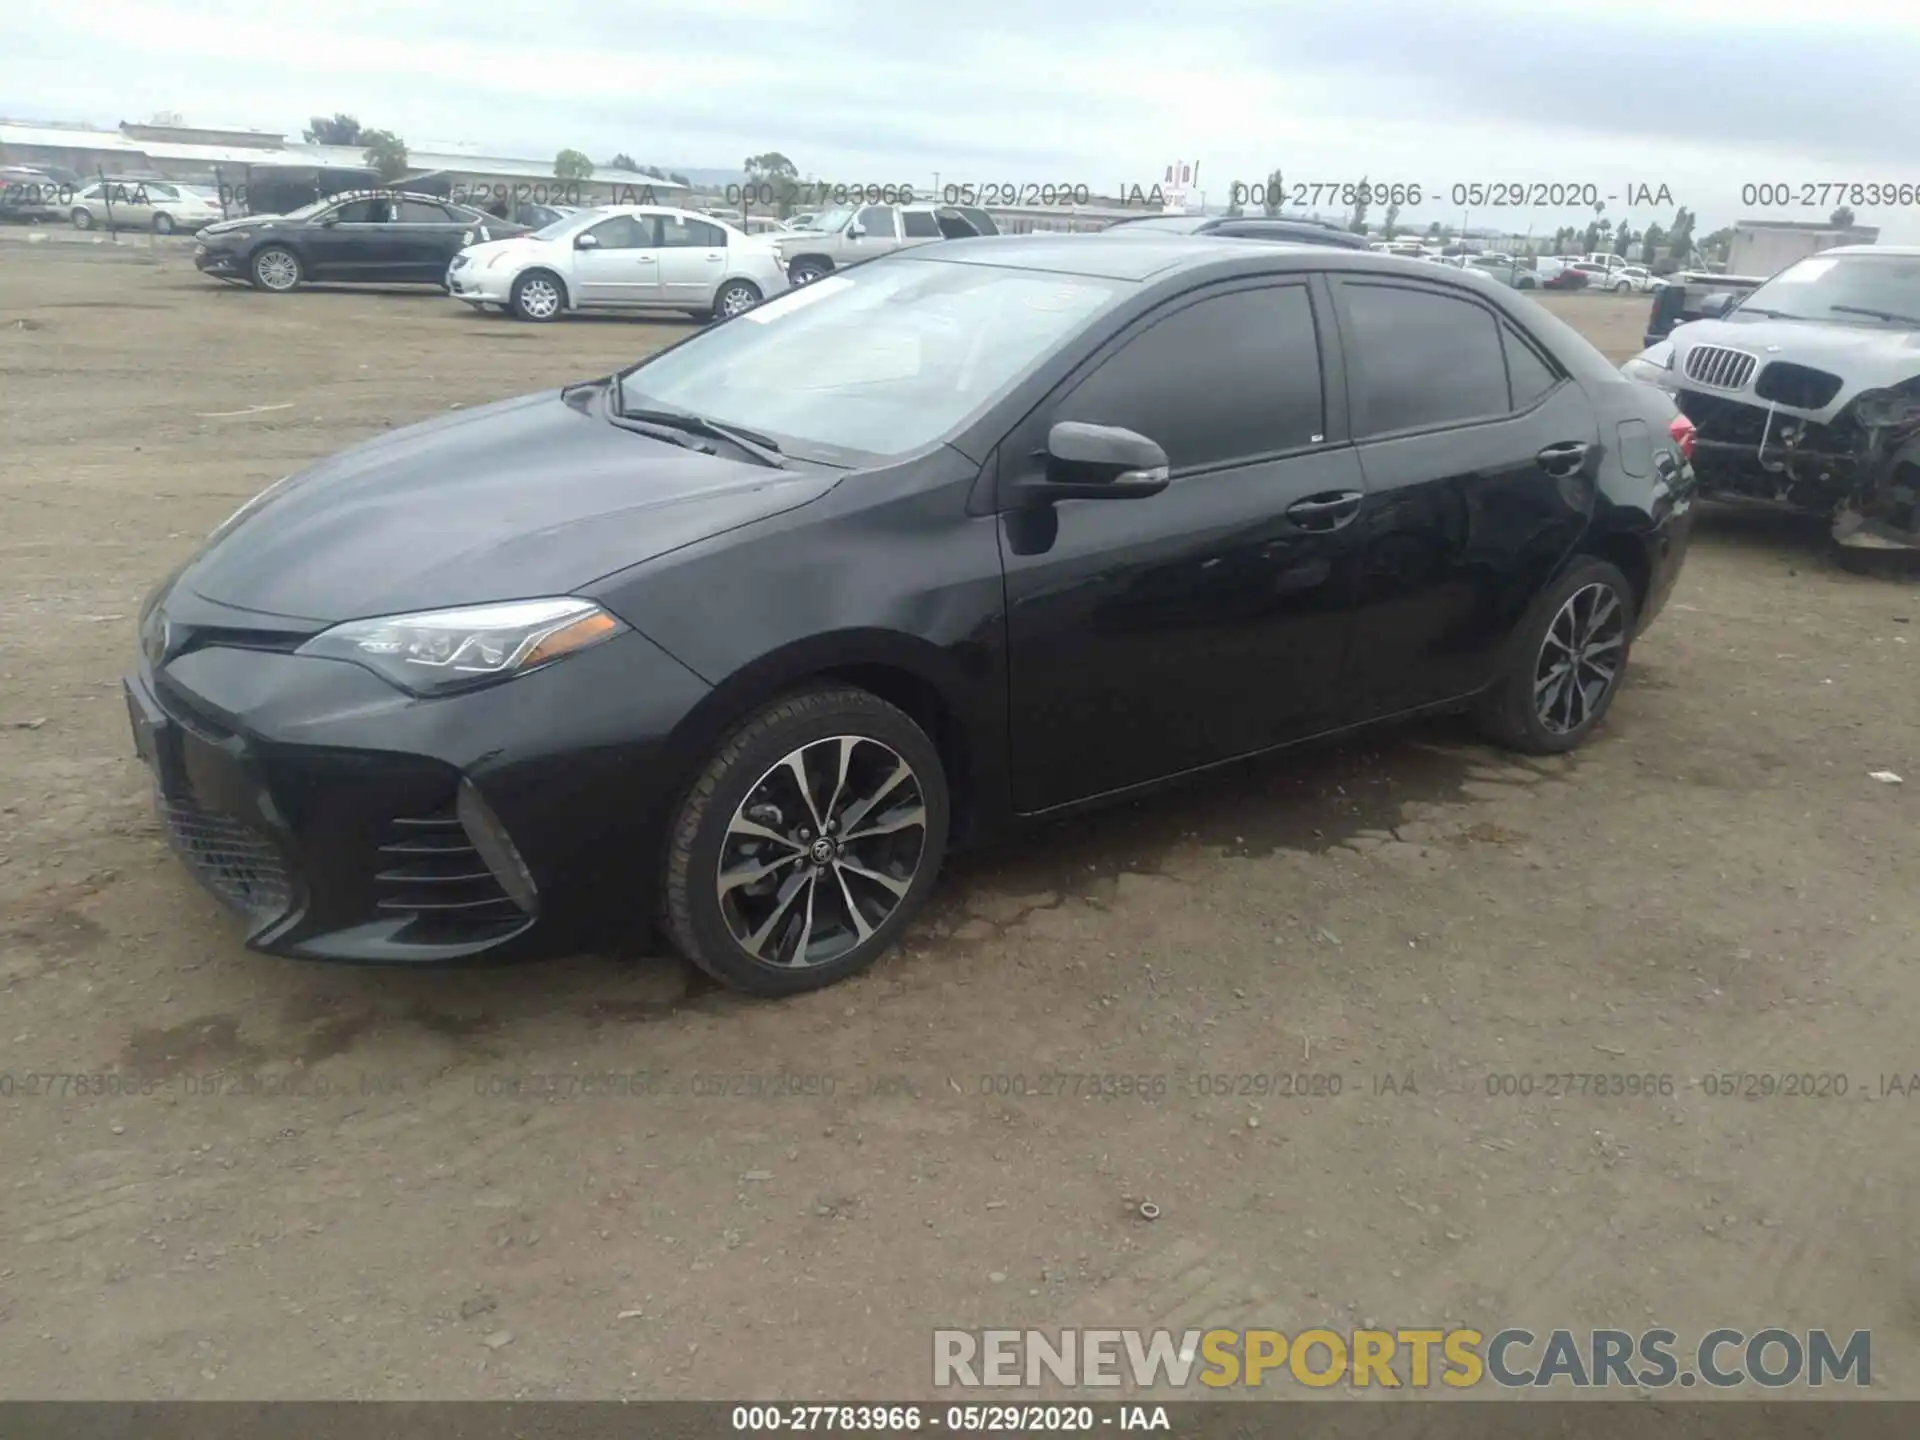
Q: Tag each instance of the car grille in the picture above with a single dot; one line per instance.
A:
(238, 862)
(432, 873)
(1718, 367)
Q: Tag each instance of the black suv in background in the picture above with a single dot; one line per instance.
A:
(1241, 227)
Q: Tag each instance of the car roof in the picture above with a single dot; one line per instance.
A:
(1909, 251)
(1151, 256)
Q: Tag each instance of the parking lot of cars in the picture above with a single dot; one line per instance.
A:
(586, 1176)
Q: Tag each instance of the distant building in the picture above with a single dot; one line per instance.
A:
(224, 157)
(1760, 247)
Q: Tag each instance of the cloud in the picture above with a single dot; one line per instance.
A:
(1700, 98)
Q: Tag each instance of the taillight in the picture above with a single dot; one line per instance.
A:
(1681, 429)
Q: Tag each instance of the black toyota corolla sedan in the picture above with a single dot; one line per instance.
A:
(740, 641)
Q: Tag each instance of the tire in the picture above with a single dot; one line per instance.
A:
(1525, 283)
(805, 272)
(736, 297)
(82, 218)
(163, 224)
(538, 297)
(1622, 288)
(1564, 716)
(275, 269)
(748, 782)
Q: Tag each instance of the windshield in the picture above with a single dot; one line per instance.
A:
(883, 360)
(828, 221)
(1836, 288)
(564, 224)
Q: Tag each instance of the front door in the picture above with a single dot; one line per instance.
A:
(1152, 636)
(693, 260)
(352, 241)
(1480, 457)
(622, 265)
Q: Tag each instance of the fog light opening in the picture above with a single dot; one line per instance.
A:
(494, 846)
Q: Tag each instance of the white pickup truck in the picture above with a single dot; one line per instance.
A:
(846, 236)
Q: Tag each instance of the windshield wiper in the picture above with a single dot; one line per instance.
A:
(759, 446)
(1894, 316)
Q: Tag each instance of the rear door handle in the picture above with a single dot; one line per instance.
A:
(1563, 459)
(1327, 511)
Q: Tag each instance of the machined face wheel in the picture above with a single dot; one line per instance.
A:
(277, 270)
(737, 299)
(1579, 660)
(539, 298)
(822, 851)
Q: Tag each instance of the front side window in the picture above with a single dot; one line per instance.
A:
(627, 232)
(1227, 379)
(1421, 359)
(881, 360)
(361, 212)
(877, 222)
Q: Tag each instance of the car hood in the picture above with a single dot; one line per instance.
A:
(241, 222)
(523, 498)
(1874, 354)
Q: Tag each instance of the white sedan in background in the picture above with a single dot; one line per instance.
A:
(636, 258)
(156, 205)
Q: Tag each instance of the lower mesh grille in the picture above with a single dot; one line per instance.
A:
(430, 871)
(234, 860)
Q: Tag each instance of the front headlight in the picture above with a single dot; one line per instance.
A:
(434, 652)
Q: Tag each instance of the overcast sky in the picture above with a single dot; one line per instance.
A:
(1702, 96)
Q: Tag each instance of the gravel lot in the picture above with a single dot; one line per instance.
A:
(333, 1189)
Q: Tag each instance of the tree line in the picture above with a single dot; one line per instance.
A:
(385, 153)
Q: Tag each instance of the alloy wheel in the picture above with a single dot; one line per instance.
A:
(736, 300)
(822, 851)
(1579, 660)
(277, 270)
(539, 298)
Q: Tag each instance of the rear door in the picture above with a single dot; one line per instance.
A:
(428, 236)
(1151, 636)
(621, 269)
(693, 260)
(1480, 457)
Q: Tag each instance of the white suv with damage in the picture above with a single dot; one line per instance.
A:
(1805, 392)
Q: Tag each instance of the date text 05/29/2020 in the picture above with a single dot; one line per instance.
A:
(1280, 193)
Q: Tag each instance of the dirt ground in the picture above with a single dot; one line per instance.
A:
(363, 1183)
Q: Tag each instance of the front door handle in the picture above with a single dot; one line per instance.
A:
(1563, 459)
(1328, 511)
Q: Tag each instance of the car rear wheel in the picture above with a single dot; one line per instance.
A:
(805, 272)
(1566, 662)
(82, 218)
(808, 843)
(276, 269)
(163, 224)
(736, 297)
(537, 297)
(1621, 287)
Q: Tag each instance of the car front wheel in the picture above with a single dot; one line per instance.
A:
(807, 844)
(537, 297)
(163, 224)
(805, 272)
(276, 269)
(82, 218)
(1566, 662)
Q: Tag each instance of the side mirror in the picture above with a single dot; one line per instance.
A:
(329, 222)
(855, 230)
(1097, 462)
(587, 242)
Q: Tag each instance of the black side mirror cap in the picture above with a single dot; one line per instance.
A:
(1097, 462)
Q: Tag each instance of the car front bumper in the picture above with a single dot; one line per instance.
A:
(478, 285)
(217, 260)
(346, 820)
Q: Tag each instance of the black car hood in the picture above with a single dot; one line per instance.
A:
(524, 498)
